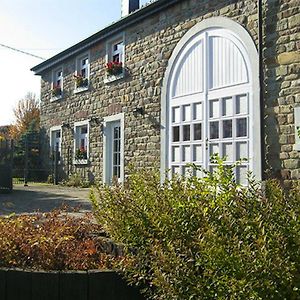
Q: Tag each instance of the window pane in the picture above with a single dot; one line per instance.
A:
(241, 175)
(175, 154)
(197, 132)
(213, 149)
(83, 129)
(85, 61)
(227, 129)
(176, 170)
(197, 154)
(116, 58)
(214, 130)
(176, 134)
(214, 109)
(198, 173)
(242, 150)
(242, 104)
(116, 171)
(228, 151)
(117, 132)
(227, 107)
(186, 133)
(241, 127)
(83, 73)
(186, 113)
(197, 111)
(186, 153)
(176, 115)
(116, 146)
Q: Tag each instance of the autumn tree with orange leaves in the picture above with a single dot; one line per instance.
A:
(27, 115)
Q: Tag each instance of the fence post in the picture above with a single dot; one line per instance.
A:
(26, 162)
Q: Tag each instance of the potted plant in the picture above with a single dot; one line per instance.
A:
(114, 68)
(81, 81)
(56, 91)
(81, 153)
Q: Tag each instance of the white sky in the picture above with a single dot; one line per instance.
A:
(43, 27)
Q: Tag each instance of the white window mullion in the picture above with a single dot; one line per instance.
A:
(205, 114)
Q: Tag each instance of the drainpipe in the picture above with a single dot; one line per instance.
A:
(261, 85)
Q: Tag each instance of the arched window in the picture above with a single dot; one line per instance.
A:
(209, 103)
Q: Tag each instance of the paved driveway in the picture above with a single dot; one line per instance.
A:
(43, 198)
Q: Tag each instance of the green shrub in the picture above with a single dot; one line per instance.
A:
(55, 241)
(76, 180)
(205, 238)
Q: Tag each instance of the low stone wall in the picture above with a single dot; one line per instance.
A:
(69, 285)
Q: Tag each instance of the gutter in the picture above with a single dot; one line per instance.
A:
(261, 85)
(108, 31)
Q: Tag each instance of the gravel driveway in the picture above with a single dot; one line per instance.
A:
(43, 198)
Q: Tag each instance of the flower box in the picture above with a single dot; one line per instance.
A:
(81, 82)
(114, 68)
(56, 92)
(81, 153)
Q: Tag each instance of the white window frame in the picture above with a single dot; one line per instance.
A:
(77, 125)
(106, 147)
(55, 129)
(78, 71)
(54, 80)
(254, 109)
(110, 53)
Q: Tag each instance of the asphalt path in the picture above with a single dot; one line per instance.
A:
(44, 198)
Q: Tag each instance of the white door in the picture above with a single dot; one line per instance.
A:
(113, 158)
(208, 103)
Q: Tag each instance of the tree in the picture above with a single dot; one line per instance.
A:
(4, 132)
(27, 114)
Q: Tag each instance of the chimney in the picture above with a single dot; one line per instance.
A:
(129, 6)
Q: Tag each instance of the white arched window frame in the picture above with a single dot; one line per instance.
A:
(232, 31)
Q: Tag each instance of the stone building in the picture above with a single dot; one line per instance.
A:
(175, 81)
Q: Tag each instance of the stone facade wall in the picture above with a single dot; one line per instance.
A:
(148, 47)
(282, 92)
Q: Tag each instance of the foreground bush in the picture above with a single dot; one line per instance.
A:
(54, 241)
(206, 238)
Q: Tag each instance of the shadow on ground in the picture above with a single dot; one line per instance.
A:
(25, 200)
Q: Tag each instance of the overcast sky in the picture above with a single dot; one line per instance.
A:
(44, 28)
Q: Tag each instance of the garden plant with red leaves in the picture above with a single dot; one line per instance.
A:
(55, 241)
(114, 68)
(81, 153)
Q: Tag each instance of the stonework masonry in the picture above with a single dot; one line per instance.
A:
(148, 47)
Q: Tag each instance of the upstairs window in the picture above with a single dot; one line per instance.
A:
(81, 142)
(117, 51)
(82, 72)
(57, 85)
(115, 58)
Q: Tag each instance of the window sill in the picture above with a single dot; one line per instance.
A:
(80, 161)
(56, 98)
(81, 89)
(112, 78)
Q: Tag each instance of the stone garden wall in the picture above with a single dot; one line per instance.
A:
(149, 45)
